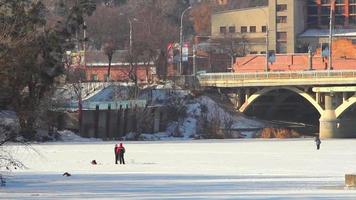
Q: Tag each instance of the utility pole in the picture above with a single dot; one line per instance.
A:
(331, 27)
(130, 45)
(267, 43)
(84, 41)
(181, 39)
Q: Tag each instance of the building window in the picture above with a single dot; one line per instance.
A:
(94, 77)
(339, 10)
(339, 20)
(281, 7)
(325, 20)
(281, 36)
(232, 29)
(281, 19)
(281, 47)
(243, 29)
(222, 29)
(352, 20)
(253, 52)
(352, 9)
(312, 22)
(264, 29)
(252, 29)
(312, 10)
(325, 10)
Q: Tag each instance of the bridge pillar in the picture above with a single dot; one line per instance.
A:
(317, 97)
(247, 95)
(328, 121)
(239, 100)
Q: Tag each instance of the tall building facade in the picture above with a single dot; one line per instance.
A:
(291, 25)
(318, 22)
(277, 25)
(319, 12)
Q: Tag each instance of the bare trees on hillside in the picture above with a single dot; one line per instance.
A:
(32, 53)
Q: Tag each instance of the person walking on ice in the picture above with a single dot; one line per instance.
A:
(317, 142)
(121, 152)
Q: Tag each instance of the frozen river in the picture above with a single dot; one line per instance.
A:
(202, 169)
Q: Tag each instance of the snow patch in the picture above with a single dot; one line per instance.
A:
(69, 136)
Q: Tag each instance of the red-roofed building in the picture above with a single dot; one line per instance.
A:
(344, 58)
(95, 64)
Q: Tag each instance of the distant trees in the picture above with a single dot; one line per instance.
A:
(107, 24)
(33, 42)
(155, 24)
(201, 14)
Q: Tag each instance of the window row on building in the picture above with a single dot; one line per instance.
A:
(243, 29)
(319, 13)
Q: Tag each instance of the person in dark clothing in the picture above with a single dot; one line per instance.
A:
(116, 151)
(317, 142)
(121, 151)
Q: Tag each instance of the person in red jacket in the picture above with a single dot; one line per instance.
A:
(116, 151)
(121, 152)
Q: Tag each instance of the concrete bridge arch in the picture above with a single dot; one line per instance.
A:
(249, 101)
(341, 109)
(331, 106)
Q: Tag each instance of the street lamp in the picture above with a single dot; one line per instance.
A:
(267, 35)
(331, 26)
(130, 23)
(181, 39)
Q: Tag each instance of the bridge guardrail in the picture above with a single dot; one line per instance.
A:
(213, 77)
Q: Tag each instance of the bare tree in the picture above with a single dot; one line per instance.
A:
(156, 27)
(234, 45)
(109, 49)
(7, 161)
(32, 66)
(107, 24)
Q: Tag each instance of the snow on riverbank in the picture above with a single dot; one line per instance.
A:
(69, 136)
(200, 169)
(203, 105)
(185, 128)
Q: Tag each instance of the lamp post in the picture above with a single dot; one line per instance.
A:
(267, 38)
(130, 45)
(267, 43)
(181, 39)
(331, 26)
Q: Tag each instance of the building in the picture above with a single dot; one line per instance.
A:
(95, 64)
(277, 25)
(318, 18)
(287, 26)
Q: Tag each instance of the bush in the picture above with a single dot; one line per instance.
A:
(278, 133)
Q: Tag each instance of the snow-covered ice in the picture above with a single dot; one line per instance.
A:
(189, 169)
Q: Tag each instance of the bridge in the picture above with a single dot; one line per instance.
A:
(326, 97)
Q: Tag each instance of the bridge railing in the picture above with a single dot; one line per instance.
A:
(207, 77)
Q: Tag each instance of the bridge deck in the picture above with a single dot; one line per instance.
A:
(292, 78)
